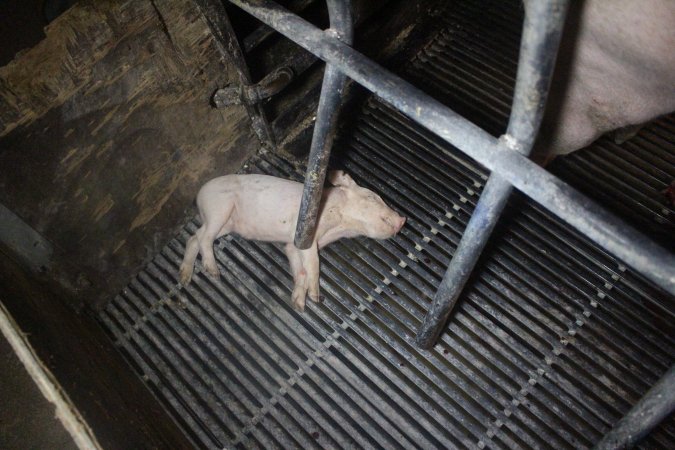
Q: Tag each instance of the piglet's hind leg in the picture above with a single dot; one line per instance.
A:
(187, 266)
(216, 223)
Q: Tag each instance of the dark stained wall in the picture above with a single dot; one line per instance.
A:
(106, 134)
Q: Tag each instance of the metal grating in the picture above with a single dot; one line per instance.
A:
(551, 343)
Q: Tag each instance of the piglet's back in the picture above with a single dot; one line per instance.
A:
(246, 183)
(265, 207)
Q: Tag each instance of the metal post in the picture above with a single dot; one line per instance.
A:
(646, 414)
(542, 29)
(228, 46)
(599, 225)
(324, 127)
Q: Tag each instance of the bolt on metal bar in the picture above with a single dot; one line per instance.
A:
(273, 83)
(325, 127)
(228, 46)
(599, 225)
(542, 29)
(657, 404)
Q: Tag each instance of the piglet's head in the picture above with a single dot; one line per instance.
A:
(364, 210)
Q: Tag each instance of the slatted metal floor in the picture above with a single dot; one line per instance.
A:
(550, 344)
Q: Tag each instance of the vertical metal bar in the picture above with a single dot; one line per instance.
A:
(538, 49)
(324, 128)
(644, 416)
(228, 46)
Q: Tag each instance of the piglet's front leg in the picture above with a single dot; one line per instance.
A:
(299, 277)
(305, 270)
(310, 261)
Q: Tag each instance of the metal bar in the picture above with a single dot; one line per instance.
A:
(599, 225)
(228, 46)
(261, 33)
(324, 128)
(542, 30)
(273, 83)
(644, 416)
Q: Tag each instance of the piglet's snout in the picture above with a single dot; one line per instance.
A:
(395, 222)
(399, 224)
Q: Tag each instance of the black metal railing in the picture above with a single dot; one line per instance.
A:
(506, 157)
(599, 225)
(538, 49)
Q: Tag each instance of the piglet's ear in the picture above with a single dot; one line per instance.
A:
(340, 178)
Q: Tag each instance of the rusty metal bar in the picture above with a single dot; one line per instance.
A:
(324, 127)
(599, 225)
(542, 30)
(221, 28)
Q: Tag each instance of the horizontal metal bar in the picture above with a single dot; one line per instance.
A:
(261, 33)
(542, 30)
(601, 226)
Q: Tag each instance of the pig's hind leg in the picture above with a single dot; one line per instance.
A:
(208, 236)
(187, 266)
(216, 223)
(192, 249)
(201, 241)
(214, 227)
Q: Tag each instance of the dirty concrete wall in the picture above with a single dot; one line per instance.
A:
(106, 134)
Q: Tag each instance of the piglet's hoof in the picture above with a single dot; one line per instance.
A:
(185, 275)
(212, 270)
(298, 301)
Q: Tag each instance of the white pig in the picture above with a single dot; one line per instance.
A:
(266, 208)
(616, 68)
